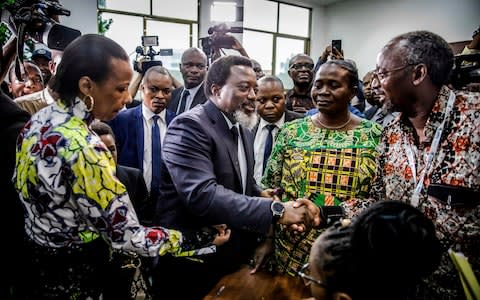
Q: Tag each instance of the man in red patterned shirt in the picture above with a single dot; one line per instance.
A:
(430, 155)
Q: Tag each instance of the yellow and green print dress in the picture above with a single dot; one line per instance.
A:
(329, 167)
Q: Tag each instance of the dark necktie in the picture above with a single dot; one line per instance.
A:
(156, 156)
(234, 131)
(183, 102)
(268, 145)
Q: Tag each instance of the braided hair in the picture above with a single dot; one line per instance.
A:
(383, 254)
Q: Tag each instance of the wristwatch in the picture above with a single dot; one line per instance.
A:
(277, 209)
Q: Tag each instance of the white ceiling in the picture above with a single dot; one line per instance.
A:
(319, 2)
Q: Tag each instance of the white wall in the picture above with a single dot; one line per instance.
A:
(83, 15)
(364, 26)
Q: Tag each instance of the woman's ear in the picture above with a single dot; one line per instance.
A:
(341, 296)
(85, 85)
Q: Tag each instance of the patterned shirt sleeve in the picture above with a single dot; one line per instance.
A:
(104, 200)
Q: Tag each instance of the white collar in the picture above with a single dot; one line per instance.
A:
(279, 123)
(193, 91)
(148, 114)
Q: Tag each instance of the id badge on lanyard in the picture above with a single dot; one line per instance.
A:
(427, 156)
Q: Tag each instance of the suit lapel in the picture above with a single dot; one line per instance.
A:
(199, 98)
(221, 128)
(247, 140)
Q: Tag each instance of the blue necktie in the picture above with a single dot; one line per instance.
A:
(156, 157)
(268, 145)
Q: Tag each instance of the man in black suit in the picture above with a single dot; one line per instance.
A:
(207, 178)
(193, 68)
(273, 114)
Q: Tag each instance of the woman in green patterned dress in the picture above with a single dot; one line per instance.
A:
(328, 158)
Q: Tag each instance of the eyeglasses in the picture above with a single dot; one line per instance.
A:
(301, 66)
(307, 278)
(385, 74)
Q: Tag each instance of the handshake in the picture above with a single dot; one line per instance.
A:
(300, 214)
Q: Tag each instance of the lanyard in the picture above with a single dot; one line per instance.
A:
(428, 157)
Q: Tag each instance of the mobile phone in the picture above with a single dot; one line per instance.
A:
(331, 214)
(337, 44)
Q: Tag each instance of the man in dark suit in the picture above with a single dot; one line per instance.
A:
(273, 114)
(207, 178)
(140, 130)
(193, 68)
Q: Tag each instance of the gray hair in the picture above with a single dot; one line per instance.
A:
(424, 47)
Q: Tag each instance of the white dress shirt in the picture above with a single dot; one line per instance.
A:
(193, 91)
(147, 115)
(259, 145)
(242, 158)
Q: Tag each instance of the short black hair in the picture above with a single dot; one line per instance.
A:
(88, 55)
(425, 47)
(156, 69)
(391, 245)
(271, 78)
(220, 70)
(348, 66)
(101, 128)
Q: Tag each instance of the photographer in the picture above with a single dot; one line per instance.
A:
(137, 80)
(219, 39)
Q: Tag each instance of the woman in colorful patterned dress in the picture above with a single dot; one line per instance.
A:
(75, 207)
(328, 158)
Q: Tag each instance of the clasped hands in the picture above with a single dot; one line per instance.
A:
(300, 214)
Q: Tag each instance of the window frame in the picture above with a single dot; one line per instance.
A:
(276, 34)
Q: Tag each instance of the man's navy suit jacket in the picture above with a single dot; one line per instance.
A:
(201, 182)
(128, 129)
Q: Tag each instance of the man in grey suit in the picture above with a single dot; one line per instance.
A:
(273, 114)
(193, 68)
(207, 178)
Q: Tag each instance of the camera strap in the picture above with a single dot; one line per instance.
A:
(428, 157)
(20, 43)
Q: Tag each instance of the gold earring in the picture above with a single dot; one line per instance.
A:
(92, 101)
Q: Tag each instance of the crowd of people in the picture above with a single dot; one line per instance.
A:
(357, 187)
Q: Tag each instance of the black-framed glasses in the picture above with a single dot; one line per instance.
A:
(385, 74)
(307, 66)
(307, 278)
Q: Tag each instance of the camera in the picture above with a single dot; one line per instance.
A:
(466, 70)
(147, 55)
(37, 19)
(218, 38)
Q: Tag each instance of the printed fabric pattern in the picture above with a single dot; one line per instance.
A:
(66, 180)
(329, 167)
(456, 163)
